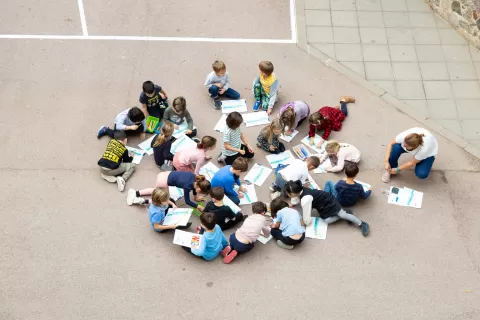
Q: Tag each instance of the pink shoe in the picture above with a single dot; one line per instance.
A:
(230, 257)
(198, 229)
(226, 251)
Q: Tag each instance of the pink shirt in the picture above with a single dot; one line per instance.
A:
(188, 156)
(250, 230)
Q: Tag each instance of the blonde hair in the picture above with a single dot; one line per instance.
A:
(160, 195)
(288, 117)
(332, 147)
(218, 66)
(414, 140)
(267, 132)
(167, 131)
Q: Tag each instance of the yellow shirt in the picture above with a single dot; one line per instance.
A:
(267, 82)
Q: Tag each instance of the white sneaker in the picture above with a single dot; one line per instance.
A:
(120, 184)
(131, 195)
(110, 179)
(138, 200)
(386, 176)
(275, 195)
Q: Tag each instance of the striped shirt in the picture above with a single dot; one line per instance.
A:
(233, 137)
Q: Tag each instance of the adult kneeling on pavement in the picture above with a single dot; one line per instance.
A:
(418, 141)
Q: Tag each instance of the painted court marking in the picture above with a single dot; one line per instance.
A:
(86, 36)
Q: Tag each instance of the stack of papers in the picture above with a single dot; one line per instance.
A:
(187, 239)
(137, 154)
(317, 229)
(221, 124)
(229, 106)
(178, 216)
(290, 137)
(145, 145)
(255, 119)
(405, 197)
(183, 142)
(281, 158)
(317, 139)
(258, 174)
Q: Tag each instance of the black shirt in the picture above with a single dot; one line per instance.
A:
(162, 152)
(325, 203)
(155, 105)
(114, 154)
(221, 213)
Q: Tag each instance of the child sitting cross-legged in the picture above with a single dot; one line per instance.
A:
(268, 139)
(158, 209)
(224, 215)
(288, 229)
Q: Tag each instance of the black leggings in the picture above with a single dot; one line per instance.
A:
(249, 155)
(230, 223)
(111, 132)
(277, 234)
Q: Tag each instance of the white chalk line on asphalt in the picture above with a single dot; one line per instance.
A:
(83, 20)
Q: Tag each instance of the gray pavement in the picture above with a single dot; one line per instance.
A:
(70, 248)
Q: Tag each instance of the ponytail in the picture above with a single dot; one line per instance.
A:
(167, 131)
(207, 142)
(202, 183)
(414, 140)
(293, 187)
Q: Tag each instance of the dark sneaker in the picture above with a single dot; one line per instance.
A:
(230, 257)
(102, 132)
(256, 106)
(217, 104)
(196, 140)
(245, 216)
(365, 228)
(185, 227)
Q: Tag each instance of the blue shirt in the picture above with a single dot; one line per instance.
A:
(347, 194)
(211, 244)
(225, 178)
(157, 215)
(290, 222)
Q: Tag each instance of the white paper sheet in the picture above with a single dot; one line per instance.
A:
(229, 203)
(250, 196)
(406, 197)
(175, 193)
(258, 174)
(317, 229)
(208, 170)
(229, 106)
(322, 166)
(281, 158)
(187, 239)
(365, 185)
(178, 216)
(264, 240)
(145, 145)
(306, 141)
(255, 119)
(183, 142)
(313, 184)
(221, 124)
(182, 128)
(290, 137)
(137, 154)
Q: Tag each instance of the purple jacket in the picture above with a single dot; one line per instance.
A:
(302, 110)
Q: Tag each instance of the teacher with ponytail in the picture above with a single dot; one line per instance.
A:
(417, 141)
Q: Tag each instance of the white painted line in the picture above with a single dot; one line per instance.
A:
(135, 38)
(293, 21)
(82, 18)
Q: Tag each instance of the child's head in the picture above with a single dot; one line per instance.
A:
(293, 189)
(217, 194)
(136, 115)
(201, 184)
(274, 129)
(316, 118)
(288, 118)
(266, 68)
(148, 88)
(277, 205)
(207, 143)
(179, 105)
(207, 219)
(413, 141)
(332, 147)
(160, 196)
(239, 165)
(259, 207)
(120, 136)
(234, 120)
(351, 170)
(167, 131)
(312, 162)
(219, 68)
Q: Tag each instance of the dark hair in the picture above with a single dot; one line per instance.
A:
(217, 193)
(202, 183)
(240, 164)
(313, 161)
(208, 220)
(277, 205)
(120, 135)
(135, 115)
(266, 67)
(293, 187)
(351, 170)
(207, 142)
(179, 104)
(148, 87)
(259, 207)
(315, 117)
(234, 120)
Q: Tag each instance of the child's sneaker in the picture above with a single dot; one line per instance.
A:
(275, 195)
(230, 257)
(386, 176)
(275, 188)
(226, 251)
(110, 179)
(365, 228)
(283, 245)
(120, 184)
(188, 225)
(196, 140)
(102, 132)
(221, 157)
(131, 195)
(217, 104)
(256, 106)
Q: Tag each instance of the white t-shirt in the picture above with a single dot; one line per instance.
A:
(429, 147)
(296, 170)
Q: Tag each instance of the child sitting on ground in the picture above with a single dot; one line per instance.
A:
(268, 139)
(296, 170)
(228, 176)
(328, 119)
(213, 241)
(292, 115)
(224, 216)
(178, 113)
(340, 154)
(153, 100)
(265, 88)
(325, 203)
(184, 159)
(161, 146)
(218, 84)
(244, 239)
(158, 209)
(348, 191)
(132, 121)
(116, 163)
(234, 142)
(288, 228)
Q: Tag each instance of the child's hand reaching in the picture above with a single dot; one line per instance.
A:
(188, 131)
(269, 111)
(142, 135)
(272, 148)
(242, 189)
(241, 195)
(312, 140)
(319, 143)
(132, 154)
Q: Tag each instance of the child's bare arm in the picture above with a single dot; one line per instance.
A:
(158, 226)
(144, 109)
(229, 147)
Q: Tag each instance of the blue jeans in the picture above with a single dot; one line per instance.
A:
(239, 246)
(235, 199)
(229, 93)
(330, 188)
(343, 107)
(422, 168)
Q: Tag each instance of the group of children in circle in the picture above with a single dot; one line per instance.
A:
(182, 170)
